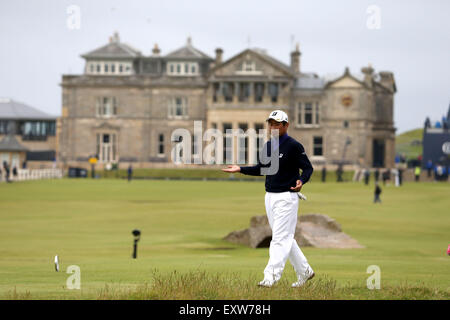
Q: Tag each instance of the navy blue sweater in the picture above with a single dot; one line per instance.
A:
(292, 157)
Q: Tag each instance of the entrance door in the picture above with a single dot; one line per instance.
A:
(378, 153)
(106, 147)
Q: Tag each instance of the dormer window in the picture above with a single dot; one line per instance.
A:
(109, 67)
(182, 68)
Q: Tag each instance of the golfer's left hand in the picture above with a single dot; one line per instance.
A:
(298, 186)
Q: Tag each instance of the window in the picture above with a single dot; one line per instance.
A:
(227, 143)
(307, 114)
(273, 91)
(99, 68)
(259, 127)
(36, 130)
(228, 91)
(195, 143)
(120, 68)
(259, 92)
(161, 144)
(106, 68)
(299, 114)
(106, 106)
(113, 68)
(244, 91)
(107, 147)
(182, 68)
(317, 146)
(216, 91)
(243, 144)
(178, 107)
(3, 127)
(248, 66)
(345, 124)
(91, 67)
(317, 113)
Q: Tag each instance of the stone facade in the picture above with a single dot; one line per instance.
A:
(128, 116)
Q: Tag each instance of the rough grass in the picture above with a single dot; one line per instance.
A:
(201, 285)
(403, 143)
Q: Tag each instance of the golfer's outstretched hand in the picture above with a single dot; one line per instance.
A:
(298, 186)
(233, 168)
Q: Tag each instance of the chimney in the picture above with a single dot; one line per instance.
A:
(116, 37)
(295, 59)
(189, 41)
(219, 53)
(368, 75)
(156, 50)
(387, 80)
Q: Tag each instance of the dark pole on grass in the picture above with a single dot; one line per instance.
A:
(137, 235)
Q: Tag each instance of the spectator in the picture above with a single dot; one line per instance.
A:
(386, 176)
(427, 123)
(130, 173)
(6, 169)
(400, 176)
(444, 123)
(440, 173)
(417, 171)
(429, 167)
(376, 174)
(396, 177)
(377, 193)
(339, 173)
(366, 176)
(403, 158)
(324, 173)
(14, 172)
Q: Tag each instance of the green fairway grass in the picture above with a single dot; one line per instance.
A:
(181, 254)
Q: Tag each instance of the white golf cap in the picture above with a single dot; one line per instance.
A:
(278, 116)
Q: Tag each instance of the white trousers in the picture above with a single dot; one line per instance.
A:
(281, 209)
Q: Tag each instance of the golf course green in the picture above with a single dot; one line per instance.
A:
(181, 254)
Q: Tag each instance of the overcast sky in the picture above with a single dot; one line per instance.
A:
(409, 38)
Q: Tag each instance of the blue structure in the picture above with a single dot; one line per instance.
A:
(436, 143)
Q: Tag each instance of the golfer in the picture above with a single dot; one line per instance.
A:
(281, 201)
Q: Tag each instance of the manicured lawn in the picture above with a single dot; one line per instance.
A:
(88, 223)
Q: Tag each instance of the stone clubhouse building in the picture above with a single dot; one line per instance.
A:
(126, 105)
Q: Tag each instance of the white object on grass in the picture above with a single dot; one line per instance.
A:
(301, 196)
(56, 263)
